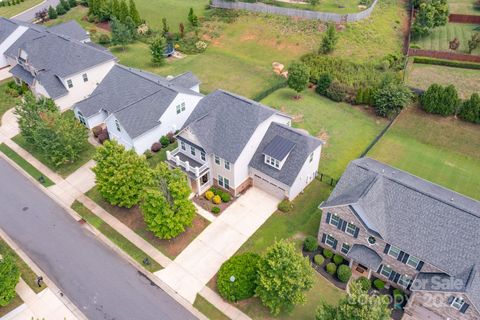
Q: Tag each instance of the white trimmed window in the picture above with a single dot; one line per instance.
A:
(311, 157)
(85, 77)
(183, 146)
(386, 271)
(330, 241)
(181, 107)
(202, 155)
(272, 162)
(70, 83)
(223, 182)
(217, 160)
(394, 252)
(345, 248)
(457, 303)
(413, 261)
(334, 220)
(192, 151)
(404, 280)
(226, 164)
(81, 118)
(117, 124)
(351, 228)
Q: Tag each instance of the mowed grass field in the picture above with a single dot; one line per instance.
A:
(445, 151)
(463, 7)
(441, 36)
(336, 6)
(10, 11)
(467, 81)
(346, 130)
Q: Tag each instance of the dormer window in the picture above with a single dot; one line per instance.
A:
(277, 150)
(117, 124)
(272, 162)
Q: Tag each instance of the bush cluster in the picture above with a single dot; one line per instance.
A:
(379, 284)
(10, 3)
(440, 100)
(365, 283)
(319, 259)
(310, 244)
(218, 196)
(448, 63)
(285, 206)
(215, 210)
(331, 268)
(344, 273)
(337, 259)
(327, 253)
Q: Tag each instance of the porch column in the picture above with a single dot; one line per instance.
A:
(197, 181)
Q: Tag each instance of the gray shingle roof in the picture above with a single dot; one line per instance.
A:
(22, 74)
(7, 27)
(302, 146)
(365, 256)
(186, 80)
(224, 122)
(71, 29)
(278, 148)
(435, 224)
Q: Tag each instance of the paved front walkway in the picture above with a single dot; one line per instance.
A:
(44, 305)
(201, 260)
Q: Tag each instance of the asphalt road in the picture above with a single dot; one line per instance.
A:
(29, 15)
(95, 278)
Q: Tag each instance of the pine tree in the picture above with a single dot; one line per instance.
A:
(329, 40)
(52, 13)
(157, 49)
(192, 18)
(134, 13)
(123, 11)
(121, 35)
(115, 9)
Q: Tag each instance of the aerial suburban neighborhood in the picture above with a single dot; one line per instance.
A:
(240, 159)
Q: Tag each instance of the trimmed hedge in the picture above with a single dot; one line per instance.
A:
(379, 284)
(331, 268)
(344, 273)
(244, 268)
(318, 259)
(447, 63)
(327, 253)
(310, 244)
(337, 259)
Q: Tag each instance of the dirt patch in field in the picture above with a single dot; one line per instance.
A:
(323, 135)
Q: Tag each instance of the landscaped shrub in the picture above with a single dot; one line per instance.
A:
(216, 191)
(60, 10)
(390, 98)
(310, 244)
(323, 82)
(244, 268)
(164, 141)
(344, 273)
(319, 259)
(225, 196)
(337, 91)
(470, 109)
(96, 131)
(171, 137)
(104, 39)
(327, 253)
(102, 137)
(285, 206)
(379, 284)
(148, 154)
(331, 268)
(216, 199)
(337, 259)
(209, 195)
(156, 146)
(365, 283)
(216, 210)
(440, 100)
(448, 63)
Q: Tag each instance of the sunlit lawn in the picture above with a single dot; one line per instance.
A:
(10, 11)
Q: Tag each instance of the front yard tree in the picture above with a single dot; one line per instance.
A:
(358, 305)
(121, 175)
(329, 40)
(157, 48)
(9, 277)
(134, 13)
(121, 34)
(283, 277)
(390, 98)
(298, 76)
(166, 208)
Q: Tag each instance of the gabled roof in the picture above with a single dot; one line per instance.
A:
(7, 27)
(186, 80)
(435, 224)
(224, 123)
(301, 145)
(22, 74)
(70, 29)
(279, 147)
(365, 256)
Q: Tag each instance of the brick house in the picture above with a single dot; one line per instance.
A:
(413, 234)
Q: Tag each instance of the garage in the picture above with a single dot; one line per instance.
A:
(269, 186)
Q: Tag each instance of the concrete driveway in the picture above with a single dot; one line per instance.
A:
(5, 73)
(202, 259)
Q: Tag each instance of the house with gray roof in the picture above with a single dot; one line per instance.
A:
(411, 233)
(234, 143)
(139, 107)
(56, 62)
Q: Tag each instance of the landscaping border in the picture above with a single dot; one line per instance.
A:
(299, 13)
(443, 55)
(463, 18)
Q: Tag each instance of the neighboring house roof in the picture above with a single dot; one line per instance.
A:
(365, 256)
(437, 225)
(224, 123)
(137, 99)
(282, 140)
(70, 29)
(22, 74)
(186, 80)
(7, 27)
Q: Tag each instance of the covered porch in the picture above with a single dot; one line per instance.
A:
(363, 260)
(199, 177)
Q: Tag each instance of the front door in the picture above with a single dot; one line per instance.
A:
(204, 179)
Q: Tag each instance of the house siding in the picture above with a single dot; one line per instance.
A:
(121, 137)
(7, 43)
(306, 174)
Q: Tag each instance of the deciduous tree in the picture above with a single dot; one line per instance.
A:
(298, 76)
(9, 277)
(391, 97)
(157, 49)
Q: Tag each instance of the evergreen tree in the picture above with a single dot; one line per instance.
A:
(123, 11)
(115, 9)
(134, 13)
(60, 9)
(192, 18)
(470, 109)
(72, 3)
(329, 40)
(52, 13)
(121, 35)
(157, 49)
(165, 27)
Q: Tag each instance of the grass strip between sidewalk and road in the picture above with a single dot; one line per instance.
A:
(122, 242)
(208, 309)
(25, 165)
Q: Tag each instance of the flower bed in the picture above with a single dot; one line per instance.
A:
(321, 268)
(206, 201)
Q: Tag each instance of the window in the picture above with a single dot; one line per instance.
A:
(413, 261)
(226, 164)
(217, 160)
(70, 83)
(85, 77)
(223, 182)
(371, 240)
(334, 220)
(394, 252)
(351, 228)
(183, 146)
(220, 180)
(386, 271)
(181, 107)
(81, 119)
(117, 124)
(329, 240)
(273, 162)
(404, 280)
(202, 155)
(192, 150)
(345, 248)
(457, 303)
(311, 157)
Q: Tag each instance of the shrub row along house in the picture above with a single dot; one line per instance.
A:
(225, 140)
(413, 234)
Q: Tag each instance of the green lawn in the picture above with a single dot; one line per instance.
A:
(441, 36)
(25, 272)
(10, 11)
(445, 151)
(347, 130)
(25, 165)
(302, 221)
(463, 7)
(161, 155)
(122, 242)
(14, 303)
(335, 6)
(467, 81)
(6, 101)
(208, 309)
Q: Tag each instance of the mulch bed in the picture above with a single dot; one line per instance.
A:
(397, 314)
(321, 268)
(208, 205)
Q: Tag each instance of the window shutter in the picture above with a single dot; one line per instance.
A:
(392, 276)
(400, 256)
(344, 225)
(464, 307)
(379, 268)
(450, 300)
(324, 237)
(397, 276)
(329, 216)
(357, 230)
(420, 265)
(387, 247)
(335, 244)
(405, 258)
(339, 225)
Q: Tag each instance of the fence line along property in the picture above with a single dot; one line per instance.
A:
(299, 13)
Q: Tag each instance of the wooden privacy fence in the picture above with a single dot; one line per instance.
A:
(291, 12)
(443, 55)
(463, 18)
